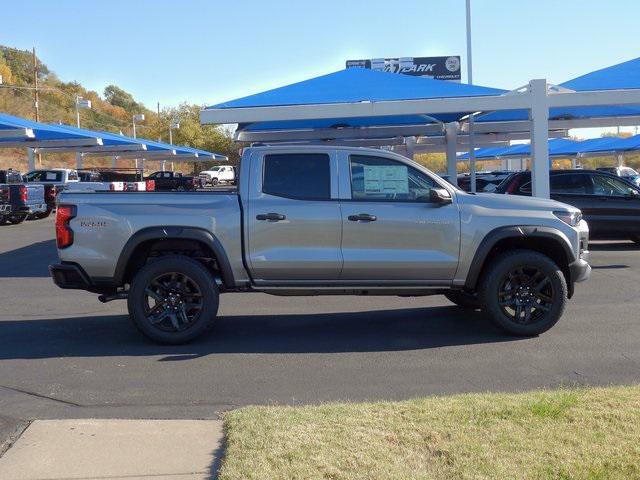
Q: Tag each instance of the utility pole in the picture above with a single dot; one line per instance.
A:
(36, 97)
(35, 84)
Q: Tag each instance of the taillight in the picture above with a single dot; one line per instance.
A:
(151, 185)
(64, 234)
(24, 194)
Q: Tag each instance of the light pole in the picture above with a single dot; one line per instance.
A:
(173, 125)
(86, 104)
(472, 150)
(81, 103)
(138, 117)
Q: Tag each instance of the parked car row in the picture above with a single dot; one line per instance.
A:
(610, 204)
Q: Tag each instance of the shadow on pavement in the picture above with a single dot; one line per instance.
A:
(604, 246)
(608, 267)
(386, 330)
(30, 261)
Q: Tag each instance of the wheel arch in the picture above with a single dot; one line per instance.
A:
(141, 243)
(546, 240)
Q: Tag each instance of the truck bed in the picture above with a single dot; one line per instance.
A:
(106, 220)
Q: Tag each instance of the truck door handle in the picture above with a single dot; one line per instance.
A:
(364, 217)
(275, 217)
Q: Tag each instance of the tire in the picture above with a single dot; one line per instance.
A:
(463, 299)
(16, 219)
(180, 188)
(44, 214)
(214, 182)
(533, 291)
(158, 293)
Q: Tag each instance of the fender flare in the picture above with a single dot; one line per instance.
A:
(515, 231)
(175, 233)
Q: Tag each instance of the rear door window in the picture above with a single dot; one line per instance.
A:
(571, 183)
(301, 176)
(604, 185)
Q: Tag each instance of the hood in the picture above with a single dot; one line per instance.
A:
(500, 201)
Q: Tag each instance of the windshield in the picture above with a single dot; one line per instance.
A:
(44, 176)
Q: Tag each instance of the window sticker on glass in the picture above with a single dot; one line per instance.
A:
(386, 179)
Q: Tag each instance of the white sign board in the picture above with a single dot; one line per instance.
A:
(386, 179)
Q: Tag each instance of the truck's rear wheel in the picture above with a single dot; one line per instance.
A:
(16, 219)
(173, 300)
(463, 299)
(523, 292)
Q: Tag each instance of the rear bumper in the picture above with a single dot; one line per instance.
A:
(24, 209)
(70, 276)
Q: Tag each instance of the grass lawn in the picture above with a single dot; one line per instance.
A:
(589, 433)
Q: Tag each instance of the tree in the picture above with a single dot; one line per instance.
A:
(118, 97)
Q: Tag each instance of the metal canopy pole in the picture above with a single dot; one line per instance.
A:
(539, 114)
(31, 159)
(410, 144)
(78, 160)
(451, 140)
(620, 159)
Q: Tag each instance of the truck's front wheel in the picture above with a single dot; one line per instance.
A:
(173, 300)
(524, 292)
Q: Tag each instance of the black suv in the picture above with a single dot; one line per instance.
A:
(609, 204)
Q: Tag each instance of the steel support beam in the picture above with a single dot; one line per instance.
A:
(17, 133)
(451, 141)
(431, 106)
(31, 159)
(539, 112)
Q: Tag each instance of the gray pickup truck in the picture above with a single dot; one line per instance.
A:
(318, 220)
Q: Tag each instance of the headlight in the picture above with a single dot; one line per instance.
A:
(570, 218)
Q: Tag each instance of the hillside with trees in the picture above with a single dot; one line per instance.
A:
(111, 111)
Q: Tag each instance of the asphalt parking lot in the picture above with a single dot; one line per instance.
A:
(63, 354)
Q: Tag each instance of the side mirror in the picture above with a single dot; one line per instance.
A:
(440, 196)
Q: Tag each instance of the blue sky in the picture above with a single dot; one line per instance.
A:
(206, 52)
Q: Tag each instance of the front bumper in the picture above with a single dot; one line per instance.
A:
(580, 269)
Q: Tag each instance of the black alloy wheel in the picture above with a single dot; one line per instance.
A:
(173, 299)
(523, 292)
(525, 295)
(16, 219)
(173, 302)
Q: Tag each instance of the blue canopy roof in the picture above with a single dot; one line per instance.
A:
(355, 85)
(41, 131)
(562, 147)
(624, 75)
(519, 150)
(46, 132)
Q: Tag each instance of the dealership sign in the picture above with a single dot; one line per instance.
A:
(440, 68)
